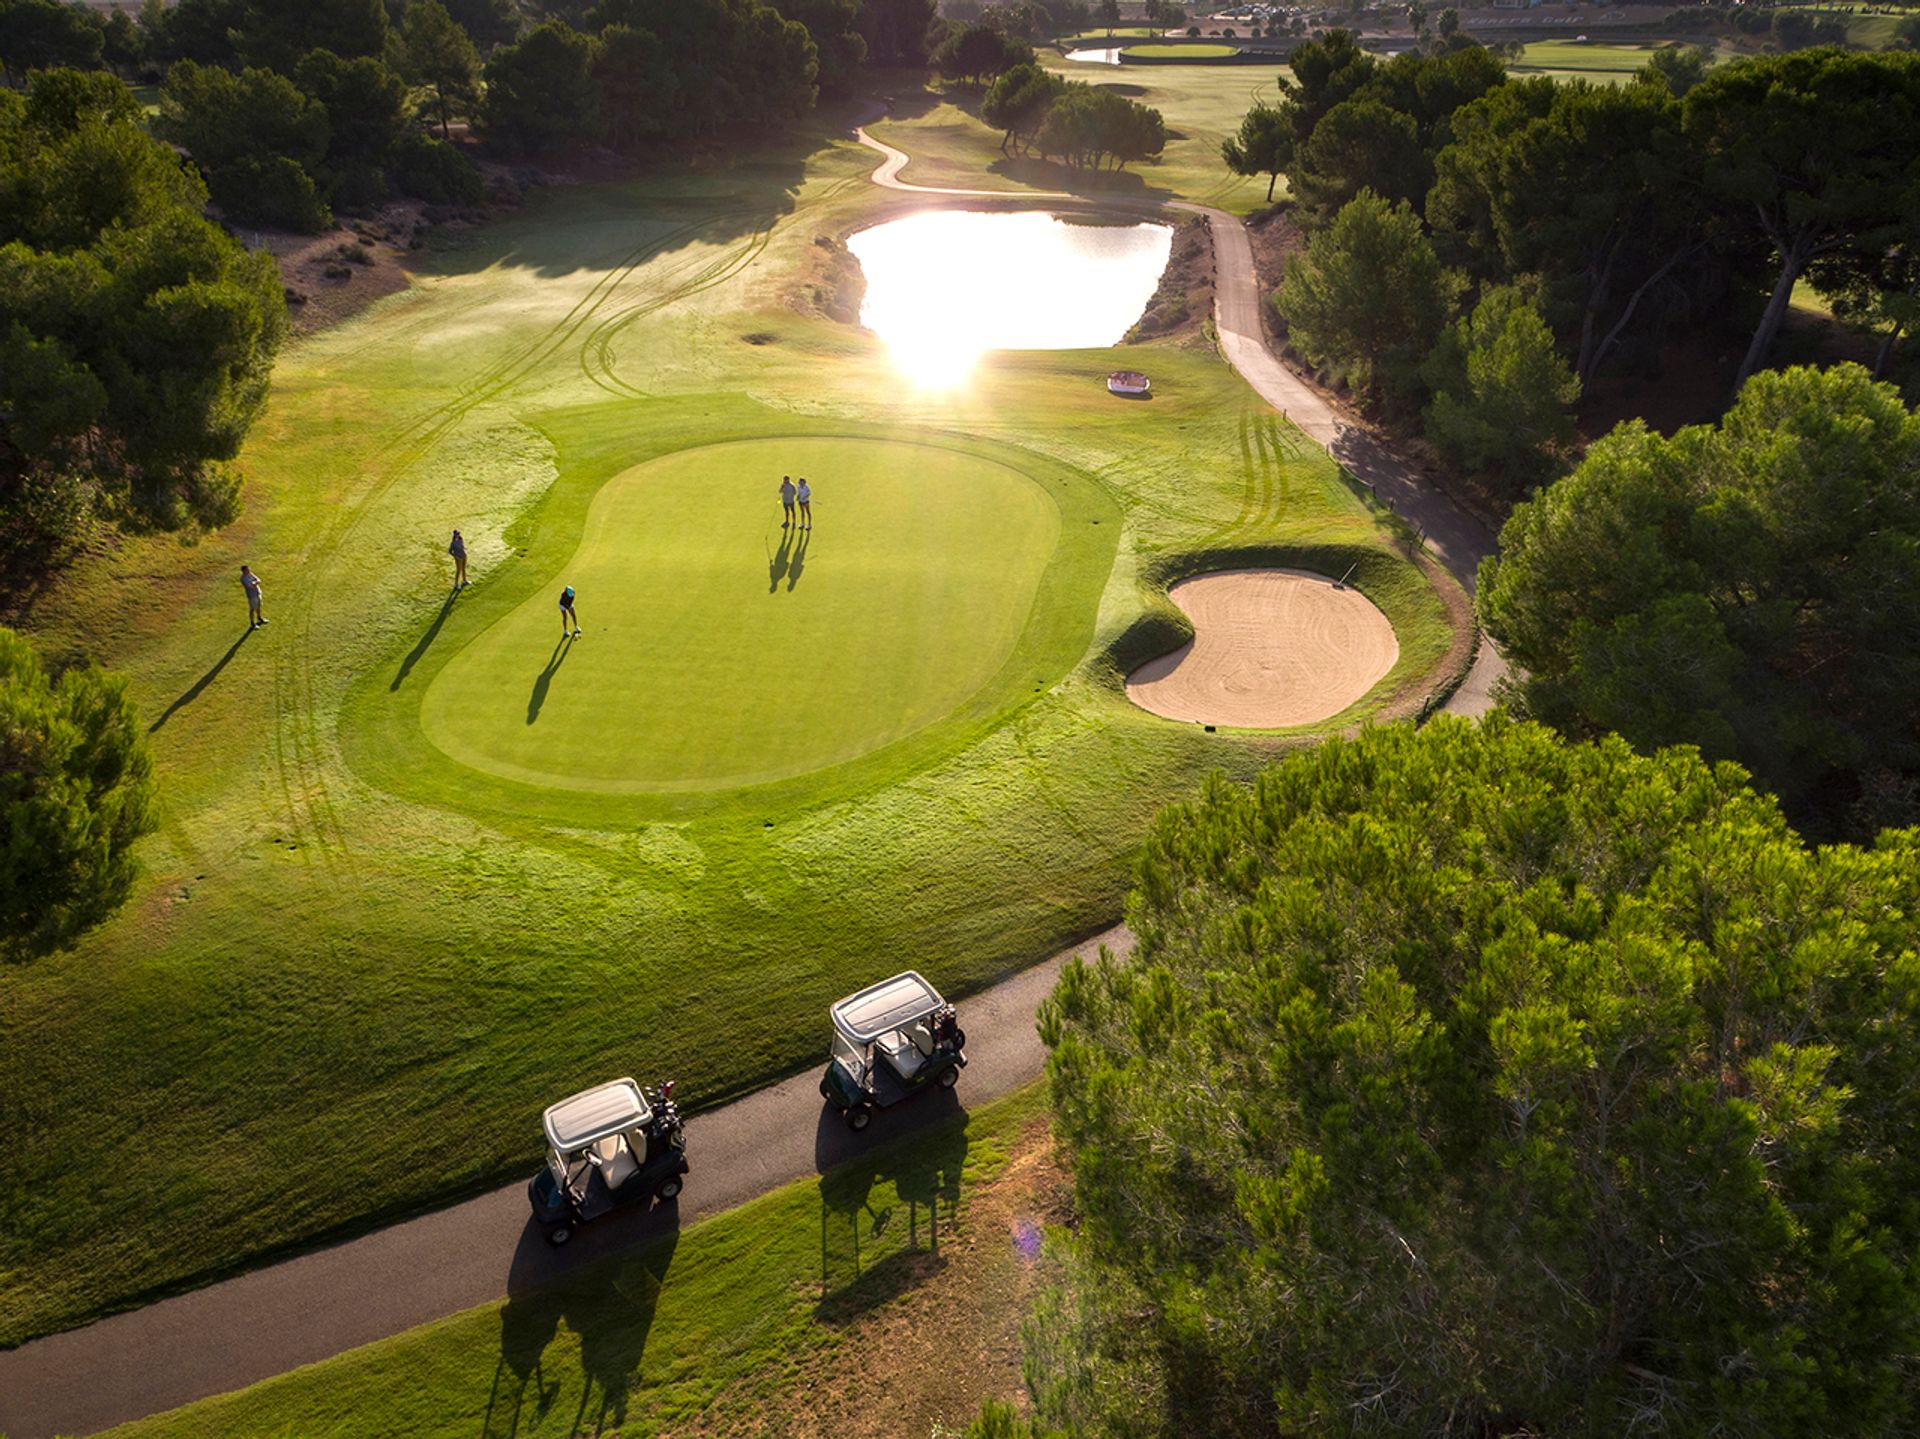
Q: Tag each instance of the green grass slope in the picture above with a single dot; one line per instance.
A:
(683, 1332)
(357, 968)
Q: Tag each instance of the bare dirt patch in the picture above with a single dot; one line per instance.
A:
(341, 271)
(1272, 648)
(924, 1361)
(1184, 299)
(1275, 239)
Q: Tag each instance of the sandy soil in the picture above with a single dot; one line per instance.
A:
(1184, 299)
(1272, 648)
(924, 1361)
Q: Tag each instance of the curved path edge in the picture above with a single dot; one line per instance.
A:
(242, 1330)
(267, 1321)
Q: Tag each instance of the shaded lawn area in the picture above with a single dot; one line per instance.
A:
(708, 1326)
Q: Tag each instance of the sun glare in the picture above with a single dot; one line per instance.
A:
(946, 286)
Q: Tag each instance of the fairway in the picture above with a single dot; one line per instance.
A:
(725, 650)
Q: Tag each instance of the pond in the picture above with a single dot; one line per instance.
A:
(945, 286)
(1096, 57)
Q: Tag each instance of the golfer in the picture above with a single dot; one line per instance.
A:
(805, 495)
(786, 499)
(250, 582)
(566, 613)
(458, 549)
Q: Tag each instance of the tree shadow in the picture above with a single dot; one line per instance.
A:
(413, 655)
(545, 680)
(1053, 175)
(193, 691)
(874, 1246)
(645, 207)
(605, 1286)
(799, 561)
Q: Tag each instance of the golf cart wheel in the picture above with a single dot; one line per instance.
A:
(559, 1234)
(859, 1117)
(950, 1076)
(959, 1038)
(668, 1188)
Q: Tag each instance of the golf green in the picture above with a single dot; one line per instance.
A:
(723, 649)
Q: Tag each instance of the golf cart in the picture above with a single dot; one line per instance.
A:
(609, 1146)
(891, 1040)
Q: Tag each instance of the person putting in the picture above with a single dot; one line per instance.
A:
(567, 616)
(458, 549)
(805, 495)
(787, 493)
(250, 582)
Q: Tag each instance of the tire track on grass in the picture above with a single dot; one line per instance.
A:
(299, 745)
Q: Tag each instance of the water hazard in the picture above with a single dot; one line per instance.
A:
(945, 286)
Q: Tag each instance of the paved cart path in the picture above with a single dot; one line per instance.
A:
(259, 1324)
(266, 1322)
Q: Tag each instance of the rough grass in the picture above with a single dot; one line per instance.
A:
(693, 1330)
(355, 969)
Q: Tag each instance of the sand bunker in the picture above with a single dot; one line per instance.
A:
(1271, 648)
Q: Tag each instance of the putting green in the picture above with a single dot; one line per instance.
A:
(722, 650)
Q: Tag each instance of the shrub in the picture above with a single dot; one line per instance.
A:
(434, 171)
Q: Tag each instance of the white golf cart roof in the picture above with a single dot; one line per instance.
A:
(884, 1007)
(595, 1113)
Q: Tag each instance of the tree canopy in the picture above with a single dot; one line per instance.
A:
(136, 338)
(1466, 1080)
(1368, 299)
(1752, 588)
(76, 791)
(1264, 146)
(46, 35)
(1808, 153)
(1501, 393)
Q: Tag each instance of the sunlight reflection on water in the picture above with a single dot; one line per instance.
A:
(945, 286)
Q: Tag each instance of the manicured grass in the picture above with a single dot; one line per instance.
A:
(357, 968)
(1181, 52)
(1101, 39)
(1203, 105)
(910, 594)
(689, 1331)
(1585, 60)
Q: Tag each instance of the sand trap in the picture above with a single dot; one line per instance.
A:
(1271, 648)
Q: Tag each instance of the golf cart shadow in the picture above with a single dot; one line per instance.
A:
(885, 1211)
(610, 1308)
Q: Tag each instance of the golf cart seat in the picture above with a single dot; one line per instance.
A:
(617, 1164)
(902, 1053)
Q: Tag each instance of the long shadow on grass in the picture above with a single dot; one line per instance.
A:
(545, 680)
(414, 654)
(799, 561)
(605, 1288)
(884, 1212)
(778, 562)
(192, 692)
(666, 203)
